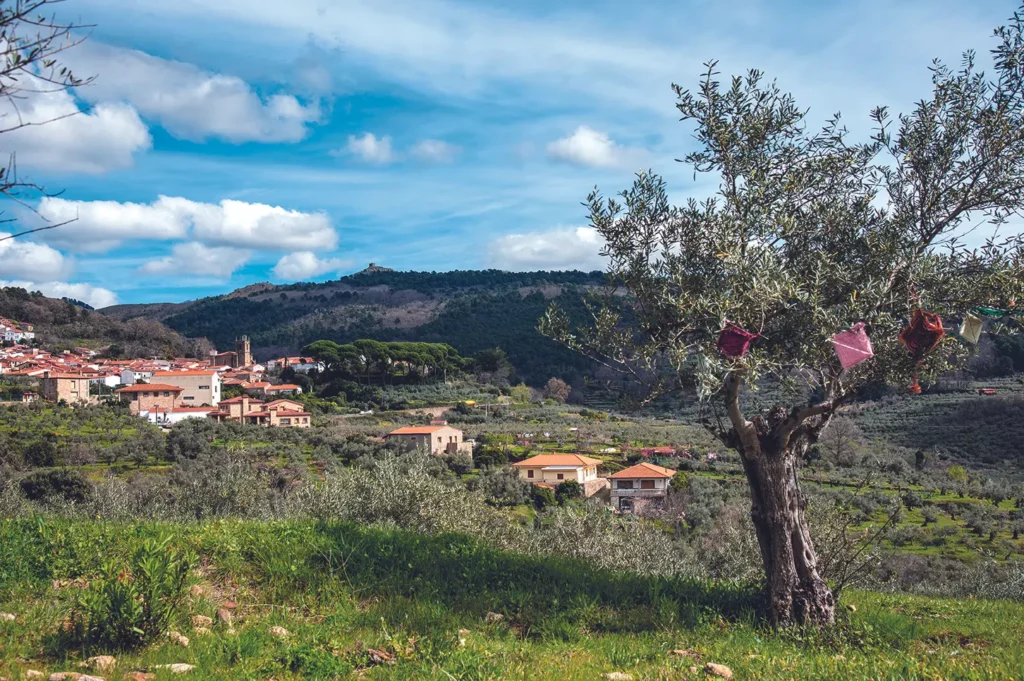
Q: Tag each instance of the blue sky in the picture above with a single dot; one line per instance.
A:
(230, 142)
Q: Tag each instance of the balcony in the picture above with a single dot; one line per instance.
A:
(640, 492)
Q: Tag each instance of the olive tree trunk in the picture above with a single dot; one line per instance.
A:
(770, 449)
(796, 591)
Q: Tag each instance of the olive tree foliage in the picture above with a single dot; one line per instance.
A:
(31, 43)
(808, 233)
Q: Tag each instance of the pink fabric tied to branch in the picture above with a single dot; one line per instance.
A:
(734, 341)
(853, 346)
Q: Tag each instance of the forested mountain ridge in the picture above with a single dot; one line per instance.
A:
(470, 309)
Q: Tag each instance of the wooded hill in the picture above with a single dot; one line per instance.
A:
(471, 310)
(66, 324)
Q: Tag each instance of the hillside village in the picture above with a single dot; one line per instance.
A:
(163, 392)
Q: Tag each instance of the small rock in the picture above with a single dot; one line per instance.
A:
(34, 674)
(493, 617)
(224, 615)
(693, 670)
(684, 653)
(176, 668)
(196, 591)
(230, 605)
(851, 607)
(178, 638)
(201, 631)
(7, 617)
(140, 676)
(618, 676)
(380, 656)
(101, 662)
(719, 670)
(201, 621)
(65, 676)
(279, 632)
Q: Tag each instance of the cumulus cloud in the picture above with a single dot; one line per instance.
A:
(48, 131)
(101, 225)
(306, 264)
(564, 248)
(195, 258)
(435, 151)
(29, 260)
(188, 102)
(588, 147)
(87, 293)
(371, 149)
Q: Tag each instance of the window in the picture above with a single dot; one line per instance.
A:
(529, 474)
(646, 484)
(145, 394)
(188, 397)
(625, 484)
(286, 422)
(204, 387)
(561, 477)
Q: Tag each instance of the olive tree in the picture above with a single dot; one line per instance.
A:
(809, 233)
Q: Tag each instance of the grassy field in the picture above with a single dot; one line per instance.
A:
(380, 604)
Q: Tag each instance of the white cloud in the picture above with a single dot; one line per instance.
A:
(371, 149)
(563, 248)
(102, 225)
(29, 260)
(588, 147)
(87, 293)
(56, 135)
(197, 259)
(435, 151)
(304, 265)
(190, 103)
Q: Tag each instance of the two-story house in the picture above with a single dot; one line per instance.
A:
(437, 440)
(550, 470)
(641, 485)
(65, 387)
(146, 397)
(199, 387)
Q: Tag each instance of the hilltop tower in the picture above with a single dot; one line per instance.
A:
(243, 352)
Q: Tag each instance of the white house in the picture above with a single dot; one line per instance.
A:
(550, 470)
(132, 376)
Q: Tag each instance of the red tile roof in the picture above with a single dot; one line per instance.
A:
(170, 374)
(643, 470)
(558, 460)
(416, 430)
(150, 387)
(283, 386)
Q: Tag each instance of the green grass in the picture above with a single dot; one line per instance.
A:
(342, 590)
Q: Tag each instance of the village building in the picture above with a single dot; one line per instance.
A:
(200, 387)
(240, 357)
(65, 387)
(550, 470)
(168, 417)
(276, 414)
(282, 389)
(437, 440)
(148, 397)
(640, 486)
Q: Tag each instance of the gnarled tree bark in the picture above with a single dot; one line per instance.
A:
(770, 449)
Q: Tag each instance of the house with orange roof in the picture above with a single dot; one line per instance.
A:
(639, 486)
(201, 387)
(276, 414)
(148, 397)
(282, 389)
(550, 470)
(436, 440)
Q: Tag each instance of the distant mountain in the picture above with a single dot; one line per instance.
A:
(471, 310)
(68, 323)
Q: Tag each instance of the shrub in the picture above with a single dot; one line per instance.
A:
(503, 487)
(568, 490)
(542, 497)
(60, 485)
(130, 606)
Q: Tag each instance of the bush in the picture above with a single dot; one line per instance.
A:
(503, 487)
(568, 490)
(542, 497)
(131, 606)
(460, 464)
(63, 485)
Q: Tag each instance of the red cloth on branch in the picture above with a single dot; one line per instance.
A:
(734, 341)
(922, 334)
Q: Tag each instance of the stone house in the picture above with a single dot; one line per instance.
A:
(436, 440)
(642, 485)
(147, 397)
(550, 470)
(69, 388)
(276, 414)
